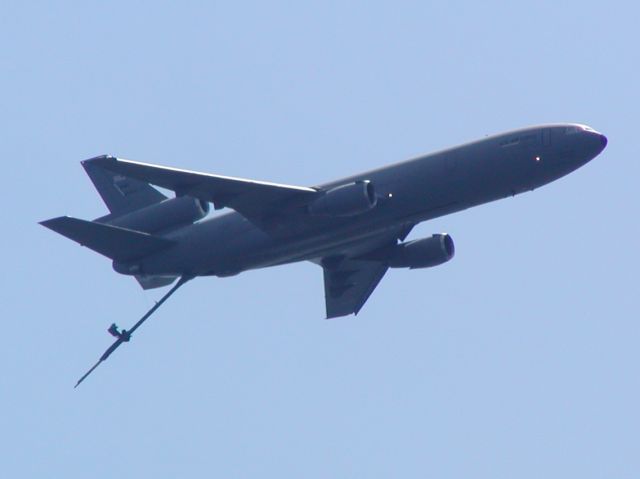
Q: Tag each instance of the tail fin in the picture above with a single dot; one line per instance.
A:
(119, 244)
(120, 193)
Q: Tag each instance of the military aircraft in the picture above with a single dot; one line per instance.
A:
(353, 228)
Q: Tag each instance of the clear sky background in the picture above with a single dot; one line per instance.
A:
(519, 358)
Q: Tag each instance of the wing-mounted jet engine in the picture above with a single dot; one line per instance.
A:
(420, 253)
(346, 200)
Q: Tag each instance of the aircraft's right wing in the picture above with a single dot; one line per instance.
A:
(349, 283)
(349, 278)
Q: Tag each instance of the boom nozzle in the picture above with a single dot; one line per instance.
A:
(124, 336)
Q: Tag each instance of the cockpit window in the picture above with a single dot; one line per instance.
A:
(526, 138)
(572, 130)
(510, 142)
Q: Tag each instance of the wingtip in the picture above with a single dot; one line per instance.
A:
(100, 160)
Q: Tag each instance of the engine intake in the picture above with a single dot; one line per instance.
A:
(168, 214)
(346, 200)
(422, 253)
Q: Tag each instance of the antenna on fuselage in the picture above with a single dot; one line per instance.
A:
(125, 335)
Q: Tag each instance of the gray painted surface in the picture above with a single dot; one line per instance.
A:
(272, 224)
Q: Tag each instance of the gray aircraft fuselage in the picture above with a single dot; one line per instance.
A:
(350, 227)
(409, 192)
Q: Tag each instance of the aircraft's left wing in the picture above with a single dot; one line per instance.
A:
(258, 201)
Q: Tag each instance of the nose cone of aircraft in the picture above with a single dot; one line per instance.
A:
(585, 145)
(603, 141)
(595, 143)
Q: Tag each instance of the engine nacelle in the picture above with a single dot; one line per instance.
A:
(422, 253)
(346, 200)
(170, 213)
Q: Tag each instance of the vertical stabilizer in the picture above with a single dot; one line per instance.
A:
(120, 193)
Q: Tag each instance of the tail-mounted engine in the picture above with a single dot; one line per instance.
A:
(168, 214)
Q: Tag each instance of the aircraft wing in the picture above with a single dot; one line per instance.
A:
(258, 201)
(349, 278)
(348, 285)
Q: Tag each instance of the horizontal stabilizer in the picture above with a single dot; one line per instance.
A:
(116, 243)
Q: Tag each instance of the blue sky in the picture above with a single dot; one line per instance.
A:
(519, 358)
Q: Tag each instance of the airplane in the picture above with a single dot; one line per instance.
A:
(354, 228)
